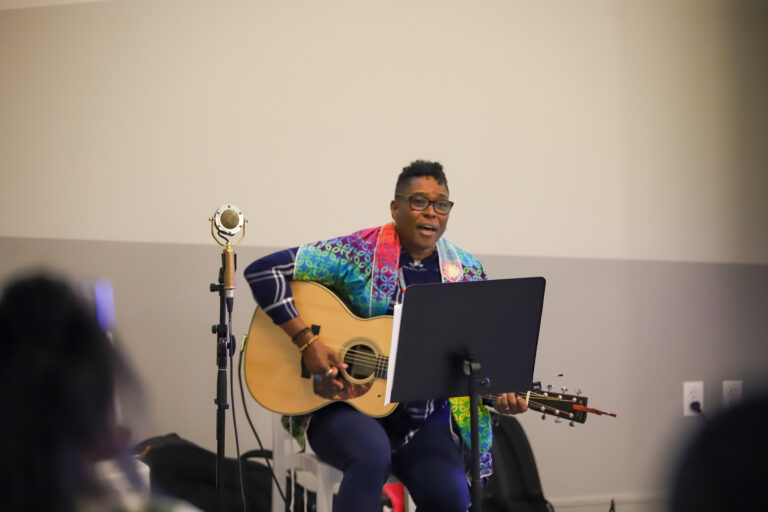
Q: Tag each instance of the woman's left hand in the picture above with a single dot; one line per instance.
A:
(510, 403)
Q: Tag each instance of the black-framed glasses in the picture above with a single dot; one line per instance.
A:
(421, 203)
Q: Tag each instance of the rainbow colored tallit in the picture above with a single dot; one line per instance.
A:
(362, 269)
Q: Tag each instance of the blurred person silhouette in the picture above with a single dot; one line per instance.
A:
(58, 374)
(724, 467)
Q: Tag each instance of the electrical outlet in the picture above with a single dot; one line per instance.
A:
(693, 391)
(731, 392)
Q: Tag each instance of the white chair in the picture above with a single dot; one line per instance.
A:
(310, 472)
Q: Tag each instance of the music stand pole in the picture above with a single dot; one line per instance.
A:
(473, 384)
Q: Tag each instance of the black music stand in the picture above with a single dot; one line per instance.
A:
(455, 338)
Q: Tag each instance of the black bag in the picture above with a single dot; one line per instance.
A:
(184, 470)
(514, 485)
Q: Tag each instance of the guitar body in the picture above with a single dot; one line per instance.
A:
(274, 371)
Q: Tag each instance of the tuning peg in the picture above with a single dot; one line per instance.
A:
(549, 387)
(543, 416)
(565, 389)
(558, 420)
(572, 424)
(578, 392)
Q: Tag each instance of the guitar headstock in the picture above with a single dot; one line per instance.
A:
(559, 405)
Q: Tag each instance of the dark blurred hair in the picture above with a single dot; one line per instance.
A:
(418, 169)
(725, 466)
(56, 386)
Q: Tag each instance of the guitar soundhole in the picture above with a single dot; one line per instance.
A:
(362, 362)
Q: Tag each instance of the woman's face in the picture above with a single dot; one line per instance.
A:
(419, 231)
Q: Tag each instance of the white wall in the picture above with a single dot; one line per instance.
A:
(597, 128)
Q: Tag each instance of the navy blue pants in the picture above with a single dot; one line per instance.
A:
(430, 465)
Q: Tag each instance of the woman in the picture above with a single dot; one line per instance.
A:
(370, 270)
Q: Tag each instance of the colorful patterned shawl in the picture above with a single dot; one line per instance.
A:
(362, 268)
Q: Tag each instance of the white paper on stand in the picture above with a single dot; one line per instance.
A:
(393, 352)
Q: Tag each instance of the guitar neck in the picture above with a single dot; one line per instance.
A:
(560, 405)
(571, 407)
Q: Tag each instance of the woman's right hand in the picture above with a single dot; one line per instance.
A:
(322, 360)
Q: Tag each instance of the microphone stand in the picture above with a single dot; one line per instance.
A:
(227, 221)
(225, 345)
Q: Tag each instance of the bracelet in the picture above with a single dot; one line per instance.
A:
(299, 334)
(307, 344)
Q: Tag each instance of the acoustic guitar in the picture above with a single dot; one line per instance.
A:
(278, 380)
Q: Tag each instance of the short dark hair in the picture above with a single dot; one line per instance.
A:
(418, 169)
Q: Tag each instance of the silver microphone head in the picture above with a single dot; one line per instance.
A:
(228, 219)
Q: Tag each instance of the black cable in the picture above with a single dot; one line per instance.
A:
(696, 407)
(222, 234)
(234, 418)
(253, 429)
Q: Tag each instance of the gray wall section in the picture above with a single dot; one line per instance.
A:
(628, 333)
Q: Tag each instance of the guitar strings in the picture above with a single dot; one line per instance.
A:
(366, 361)
(365, 357)
(362, 358)
(533, 400)
(542, 407)
(535, 395)
(380, 363)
